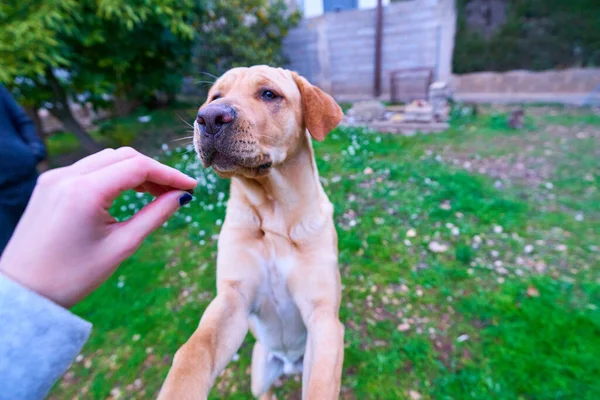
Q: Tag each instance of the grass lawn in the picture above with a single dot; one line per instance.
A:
(470, 267)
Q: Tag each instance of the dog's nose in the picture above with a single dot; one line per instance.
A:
(211, 119)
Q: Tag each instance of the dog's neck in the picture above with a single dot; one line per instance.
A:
(291, 192)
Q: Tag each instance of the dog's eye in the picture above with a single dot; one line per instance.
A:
(268, 95)
(216, 97)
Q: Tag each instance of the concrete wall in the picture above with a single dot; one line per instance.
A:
(571, 86)
(337, 50)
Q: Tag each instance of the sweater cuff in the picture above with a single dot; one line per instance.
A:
(38, 341)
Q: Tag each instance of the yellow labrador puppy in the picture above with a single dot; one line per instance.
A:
(277, 271)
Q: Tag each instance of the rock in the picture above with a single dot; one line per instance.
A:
(397, 117)
(516, 119)
(439, 94)
(403, 327)
(462, 338)
(418, 111)
(414, 395)
(366, 111)
(437, 247)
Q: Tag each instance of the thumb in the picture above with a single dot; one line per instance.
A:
(151, 217)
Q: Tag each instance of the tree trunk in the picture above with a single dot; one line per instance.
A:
(62, 111)
(33, 114)
(32, 111)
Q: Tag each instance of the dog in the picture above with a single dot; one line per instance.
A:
(277, 263)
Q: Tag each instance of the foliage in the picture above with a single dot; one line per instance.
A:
(96, 48)
(537, 35)
(487, 319)
(54, 51)
(237, 33)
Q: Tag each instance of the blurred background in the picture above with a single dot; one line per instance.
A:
(464, 176)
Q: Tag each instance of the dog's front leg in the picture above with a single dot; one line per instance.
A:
(316, 291)
(219, 335)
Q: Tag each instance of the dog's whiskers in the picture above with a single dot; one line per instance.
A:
(184, 121)
(209, 74)
(203, 82)
(183, 138)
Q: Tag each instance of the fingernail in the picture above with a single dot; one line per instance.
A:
(185, 199)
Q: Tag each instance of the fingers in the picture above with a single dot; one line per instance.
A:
(103, 159)
(132, 232)
(134, 172)
(89, 164)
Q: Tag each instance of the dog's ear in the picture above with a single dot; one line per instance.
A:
(320, 111)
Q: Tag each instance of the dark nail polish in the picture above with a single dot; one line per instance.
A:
(185, 199)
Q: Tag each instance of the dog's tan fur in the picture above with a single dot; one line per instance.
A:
(277, 272)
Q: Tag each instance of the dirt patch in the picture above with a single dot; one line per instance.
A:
(512, 168)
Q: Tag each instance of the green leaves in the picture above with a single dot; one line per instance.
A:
(242, 33)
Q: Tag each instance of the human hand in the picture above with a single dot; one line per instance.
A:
(67, 244)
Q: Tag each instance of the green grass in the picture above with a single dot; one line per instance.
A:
(509, 311)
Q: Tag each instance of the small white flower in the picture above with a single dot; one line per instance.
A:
(144, 119)
(549, 185)
(165, 147)
(202, 242)
(528, 249)
(579, 217)
(352, 223)
(407, 243)
(136, 337)
(219, 222)
(498, 229)
(411, 233)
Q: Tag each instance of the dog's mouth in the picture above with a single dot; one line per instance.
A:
(227, 165)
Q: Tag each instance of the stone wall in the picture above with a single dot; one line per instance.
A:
(337, 50)
(570, 86)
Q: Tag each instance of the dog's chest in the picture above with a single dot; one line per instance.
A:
(276, 321)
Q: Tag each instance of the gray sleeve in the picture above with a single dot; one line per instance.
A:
(38, 341)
